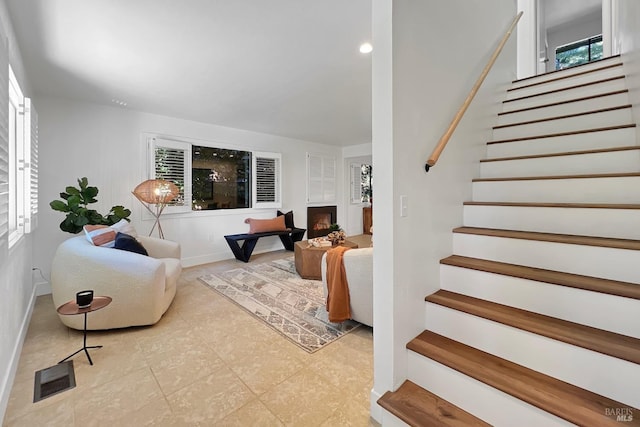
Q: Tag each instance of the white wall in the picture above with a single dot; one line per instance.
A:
(629, 39)
(106, 144)
(16, 284)
(588, 26)
(418, 85)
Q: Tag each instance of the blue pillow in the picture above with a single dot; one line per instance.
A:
(129, 243)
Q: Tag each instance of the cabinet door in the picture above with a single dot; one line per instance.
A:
(367, 220)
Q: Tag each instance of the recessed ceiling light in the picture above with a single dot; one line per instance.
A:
(119, 102)
(366, 48)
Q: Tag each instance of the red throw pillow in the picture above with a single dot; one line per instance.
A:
(264, 225)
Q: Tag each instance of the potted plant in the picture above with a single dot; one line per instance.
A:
(75, 202)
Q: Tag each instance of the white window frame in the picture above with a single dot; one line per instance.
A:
(156, 142)
(277, 200)
(16, 161)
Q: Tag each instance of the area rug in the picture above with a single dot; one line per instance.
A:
(274, 293)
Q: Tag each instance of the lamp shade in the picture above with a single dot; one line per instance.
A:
(156, 191)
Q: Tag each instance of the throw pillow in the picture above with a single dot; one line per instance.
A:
(126, 242)
(100, 235)
(124, 226)
(288, 219)
(264, 225)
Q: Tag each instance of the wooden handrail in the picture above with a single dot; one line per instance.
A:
(454, 123)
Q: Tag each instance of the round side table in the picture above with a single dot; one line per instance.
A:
(71, 308)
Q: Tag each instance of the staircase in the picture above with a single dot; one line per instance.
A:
(537, 322)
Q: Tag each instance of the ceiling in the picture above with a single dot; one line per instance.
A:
(559, 12)
(283, 67)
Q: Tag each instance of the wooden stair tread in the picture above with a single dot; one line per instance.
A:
(549, 92)
(566, 401)
(553, 135)
(610, 343)
(577, 176)
(570, 239)
(582, 73)
(564, 153)
(557, 205)
(595, 284)
(419, 407)
(565, 116)
(553, 104)
(566, 69)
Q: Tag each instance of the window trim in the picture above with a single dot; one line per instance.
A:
(16, 163)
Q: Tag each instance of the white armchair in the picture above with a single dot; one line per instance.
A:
(358, 264)
(142, 287)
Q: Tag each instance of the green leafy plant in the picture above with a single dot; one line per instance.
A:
(75, 202)
(335, 227)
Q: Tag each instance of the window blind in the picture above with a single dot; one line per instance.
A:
(172, 161)
(31, 166)
(266, 180)
(4, 144)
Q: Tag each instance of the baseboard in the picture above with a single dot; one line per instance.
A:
(222, 256)
(5, 391)
(375, 410)
(42, 288)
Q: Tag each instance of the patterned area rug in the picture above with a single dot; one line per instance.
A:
(275, 293)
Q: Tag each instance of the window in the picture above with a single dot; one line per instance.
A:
(214, 178)
(16, 160)
(579, 52)
(361, 189)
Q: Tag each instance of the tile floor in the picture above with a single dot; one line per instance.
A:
(206, 363)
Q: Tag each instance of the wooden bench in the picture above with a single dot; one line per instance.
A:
(243, 253)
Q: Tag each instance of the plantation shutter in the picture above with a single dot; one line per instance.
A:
(321, 178)
(266, 180)
(31, 166)
(356, 185)
(171, 160)
(4, 145)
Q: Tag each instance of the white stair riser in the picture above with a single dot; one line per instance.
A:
(570, 124)
(595, 261)
(615, 223)
(565, 109)
(609, 312)
(565, 95)
(559, 144)
(593, 163)
(605, 375)
(487, 403)
(390, 420)
(567, 72)
(565, 83)
(577, 190)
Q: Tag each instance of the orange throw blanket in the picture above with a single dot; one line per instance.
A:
(338, 303)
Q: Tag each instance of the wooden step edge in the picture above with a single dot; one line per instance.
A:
(605, 342)
(564, 153)
(554, 177)
(564, 400)
(560, 278)
(549, 92)
(553, 80)
(569, 239)
(421, 408)
(556, 205)
(565, 69)
(554, 104)
(558, 134)
(565, 116)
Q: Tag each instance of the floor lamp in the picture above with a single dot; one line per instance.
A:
(156, 192)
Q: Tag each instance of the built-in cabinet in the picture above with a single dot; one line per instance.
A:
(367, 220)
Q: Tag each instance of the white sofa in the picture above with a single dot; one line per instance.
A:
(142, 287)
(358, 264)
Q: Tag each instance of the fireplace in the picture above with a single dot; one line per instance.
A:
(319, 218)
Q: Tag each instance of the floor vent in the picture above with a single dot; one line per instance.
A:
(53, 380)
